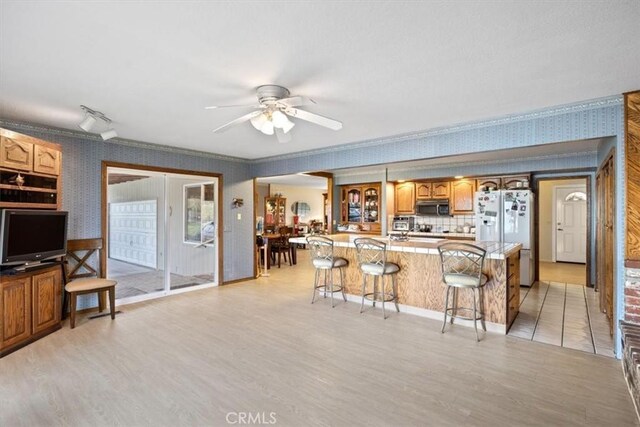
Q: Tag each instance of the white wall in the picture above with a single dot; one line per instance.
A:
(547, 206)
(313, 197)
(186, 259)
(144, 189)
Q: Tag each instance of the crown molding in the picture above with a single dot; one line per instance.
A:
(515, 118)
(118, 141)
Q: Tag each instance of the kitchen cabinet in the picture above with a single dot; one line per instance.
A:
(462, 192)
(515, 181)
(440, 190)
(513, 287)
(405, 198)
(275, 211)
(433, 190)
(29, 172)
(491, 182)
(423, 190)
(361, 207)
(30, 306)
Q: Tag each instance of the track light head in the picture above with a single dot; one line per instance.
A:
(88, 123)
(108, 134)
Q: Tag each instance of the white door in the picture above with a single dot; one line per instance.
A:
(571, 224)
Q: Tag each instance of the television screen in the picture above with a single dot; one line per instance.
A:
(29, 235)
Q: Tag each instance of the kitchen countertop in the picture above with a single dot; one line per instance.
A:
(420, 245)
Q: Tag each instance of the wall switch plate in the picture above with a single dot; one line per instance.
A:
(239, 216)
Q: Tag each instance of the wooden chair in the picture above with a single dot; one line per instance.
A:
(82, 278)
(282, 246)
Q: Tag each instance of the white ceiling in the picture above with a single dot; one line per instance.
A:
(383, 68)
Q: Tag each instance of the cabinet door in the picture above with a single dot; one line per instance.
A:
(16, 154)
(489, 183)
(46, 160)
(423, 190)
(462, 196)
(15, 302)
(46, 299)
(515, 181)
(371, 204)
(405, 198)
(440, 190)
(354, 204)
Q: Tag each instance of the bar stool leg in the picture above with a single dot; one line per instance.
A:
(384, 316)
(394, 285)
(454, 305)
(446, 309)
(375, 289)
(315, 285)
(475, 315)
(325, 283)
(364, 287)
(344, 297)
(481, 292)
(331, 286)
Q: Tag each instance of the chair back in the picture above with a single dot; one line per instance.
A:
(79, 259)
(321, 248)
(461, 259)
(370, 251)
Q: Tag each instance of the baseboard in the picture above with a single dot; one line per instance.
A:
(429, 314)
(244, 279)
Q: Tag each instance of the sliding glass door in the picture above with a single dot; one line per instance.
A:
(162, 233)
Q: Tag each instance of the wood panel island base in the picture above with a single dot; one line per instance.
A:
(420, 287)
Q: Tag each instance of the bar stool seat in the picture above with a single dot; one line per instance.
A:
(372, 259)
(323, 259)
(462, 265)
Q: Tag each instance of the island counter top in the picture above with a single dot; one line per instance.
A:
(419, 282)
(420, 245)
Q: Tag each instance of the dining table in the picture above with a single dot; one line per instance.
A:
(270, 238)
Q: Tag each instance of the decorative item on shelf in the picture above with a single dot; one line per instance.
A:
(237, 203)
(403, 236)
(343, 227)
(17, 180)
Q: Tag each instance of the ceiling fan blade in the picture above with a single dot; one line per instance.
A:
(213, 107)
(283, 137)
(297, 101)
(314, 118)
(239, 120)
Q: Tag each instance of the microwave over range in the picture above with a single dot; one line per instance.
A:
(433, 207)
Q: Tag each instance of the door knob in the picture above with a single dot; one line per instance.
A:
(560, 229)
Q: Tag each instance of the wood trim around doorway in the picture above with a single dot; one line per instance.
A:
(103, 204)
(589, 221)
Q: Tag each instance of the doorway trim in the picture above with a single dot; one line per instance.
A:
(103, 204)
(537, 182)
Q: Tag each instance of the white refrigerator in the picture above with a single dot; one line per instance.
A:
(507, 216)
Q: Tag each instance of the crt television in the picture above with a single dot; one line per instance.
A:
(32, 235)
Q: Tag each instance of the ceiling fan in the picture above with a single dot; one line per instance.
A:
(275, 106)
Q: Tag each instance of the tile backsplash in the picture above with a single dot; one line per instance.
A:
(445, 223)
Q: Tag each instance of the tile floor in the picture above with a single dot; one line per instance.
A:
(565, 315)
(134, 280)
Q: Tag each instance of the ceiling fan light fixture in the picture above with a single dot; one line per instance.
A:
(279, 119)
(267, 128)
(288, 126)
(259, 121)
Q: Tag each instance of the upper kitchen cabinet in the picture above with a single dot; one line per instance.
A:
(440, 190)
(516, 181)
(423, 190)
(489, 183)
(16, 154)
(361, 207)
(432, 190)
(46, 160)
(405, 198)
(462, 192)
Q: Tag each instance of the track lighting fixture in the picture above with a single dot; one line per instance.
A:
(90, 120)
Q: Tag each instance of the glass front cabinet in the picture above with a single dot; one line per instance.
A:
(360, 208)
(275, 211)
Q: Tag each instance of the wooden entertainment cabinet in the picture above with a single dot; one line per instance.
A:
(30, 301)
(30, 306)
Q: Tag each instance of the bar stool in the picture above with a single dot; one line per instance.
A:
(372, 259)
(323, 260)
(462, 265)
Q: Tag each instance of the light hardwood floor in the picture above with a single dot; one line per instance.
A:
(261, 347)
(563, 272)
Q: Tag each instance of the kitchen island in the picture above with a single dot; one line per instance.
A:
(420, 287)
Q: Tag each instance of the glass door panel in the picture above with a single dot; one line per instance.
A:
(371, 205)
(354, 205)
